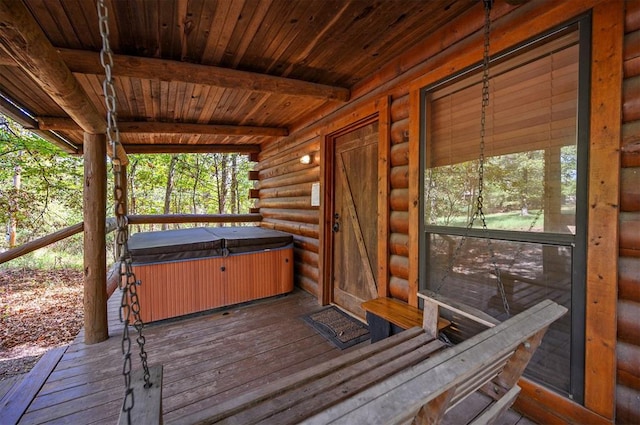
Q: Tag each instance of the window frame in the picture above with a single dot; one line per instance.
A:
(578, 242)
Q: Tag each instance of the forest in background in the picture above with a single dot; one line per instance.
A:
(41, 190)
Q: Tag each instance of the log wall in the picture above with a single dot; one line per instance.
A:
(628, 344)
(284, 190)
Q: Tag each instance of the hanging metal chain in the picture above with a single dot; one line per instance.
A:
(483, 124)
(479, 204)
(130, 303)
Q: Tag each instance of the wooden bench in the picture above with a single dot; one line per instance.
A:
(388, 316)
(406, 376)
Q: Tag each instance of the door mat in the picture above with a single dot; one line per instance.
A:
(338, 327)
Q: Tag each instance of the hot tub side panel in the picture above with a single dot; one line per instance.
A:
(179, 288)
(183, 287)
(256, 275)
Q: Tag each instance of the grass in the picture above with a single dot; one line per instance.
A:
(512, 220)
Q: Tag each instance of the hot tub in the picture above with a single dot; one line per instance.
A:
(187, 271)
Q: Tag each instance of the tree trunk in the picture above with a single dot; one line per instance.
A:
(169, 189)
(194, 192)
(235, 204)
(220, 164)
(13, 212)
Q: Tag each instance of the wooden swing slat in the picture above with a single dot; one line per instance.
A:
(147, 407)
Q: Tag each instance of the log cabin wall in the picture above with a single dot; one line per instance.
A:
(399, 199)
(285, 186)
(628, 344)
(284, 190)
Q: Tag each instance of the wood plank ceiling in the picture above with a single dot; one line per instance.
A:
(207, 75)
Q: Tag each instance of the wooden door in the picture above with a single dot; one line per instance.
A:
(355, 216)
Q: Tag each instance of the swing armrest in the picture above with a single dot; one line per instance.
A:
(432, 301)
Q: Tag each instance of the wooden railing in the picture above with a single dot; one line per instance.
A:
(194, 218)
(134, 219)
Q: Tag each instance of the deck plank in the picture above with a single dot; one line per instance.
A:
(21, 395)
(208, 359)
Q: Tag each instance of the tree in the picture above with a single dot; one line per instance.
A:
(40, 185)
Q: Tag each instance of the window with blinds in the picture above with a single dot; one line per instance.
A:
(533, 195)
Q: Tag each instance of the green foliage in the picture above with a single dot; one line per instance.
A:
(514, 190)
(40, 186)
(48, 195)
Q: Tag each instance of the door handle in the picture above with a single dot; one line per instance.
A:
(336, 223)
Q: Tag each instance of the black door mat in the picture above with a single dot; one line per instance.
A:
(338, 327)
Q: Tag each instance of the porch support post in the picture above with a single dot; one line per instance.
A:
(95, 253)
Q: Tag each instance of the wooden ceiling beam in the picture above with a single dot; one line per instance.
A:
(62, 124)
(189, 148)
(87, 62)
(24, 41)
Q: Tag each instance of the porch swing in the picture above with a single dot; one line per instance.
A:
(407, 378)
(142, 402)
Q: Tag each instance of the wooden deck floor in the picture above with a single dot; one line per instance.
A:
(207, 359)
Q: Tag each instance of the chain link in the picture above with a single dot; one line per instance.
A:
(479, 204)
(130, 303)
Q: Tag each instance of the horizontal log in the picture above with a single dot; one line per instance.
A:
(627, 411)
(631, 144)
(399, 288)
(631, 64)
(299, 216)
(155, 127)
(400, 108)
(628, 356)
(113, 279)
(23, 39)
(631, 67)
(399, 177)
(400, 131)
(399, 266)
(40, 243)
(299, 202)
(629, 279)
(306, 257)
(306, 270)
(630, 189)
(399, 199)
(287, 149)
(631, 99)
(631, 136)
(628, 323)
(399, 244)
(311, 174)
(399, 154)
(254, 193)
(308, 285)
(632, 16)
(306, 243)
(625, 379)
(303, 229)
(303, 189)
(88, 62)
(399, 222)
(630, 159)
(632, 45)
(288, 167)
(630, 234)
(10, 110)
(254, 175)
(191, 148)
(194, 218)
